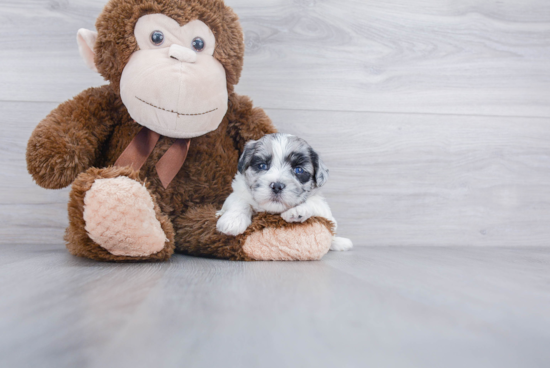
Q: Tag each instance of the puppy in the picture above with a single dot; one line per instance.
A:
(280, 174)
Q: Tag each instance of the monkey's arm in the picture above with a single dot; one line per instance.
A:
(68, 141)
(268, 238)
(247, 122)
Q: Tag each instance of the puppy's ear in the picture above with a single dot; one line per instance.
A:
(244, 161)
(321, 171)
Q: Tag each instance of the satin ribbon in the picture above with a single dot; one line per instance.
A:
(141, 147)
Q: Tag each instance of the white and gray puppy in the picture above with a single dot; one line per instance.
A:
(280, 174)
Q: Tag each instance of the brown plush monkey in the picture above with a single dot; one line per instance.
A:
(151, 155)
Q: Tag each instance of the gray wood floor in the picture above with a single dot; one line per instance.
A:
(372, 307)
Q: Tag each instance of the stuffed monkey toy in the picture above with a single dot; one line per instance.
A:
(151, 155)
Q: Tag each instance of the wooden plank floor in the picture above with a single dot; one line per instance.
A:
(371, 307)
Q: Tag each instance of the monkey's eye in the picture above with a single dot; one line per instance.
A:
(198, 44)
(157, 38)
(262, 167)
(299, 170)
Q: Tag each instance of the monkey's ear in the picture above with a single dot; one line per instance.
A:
(244, 161)
(86, 41)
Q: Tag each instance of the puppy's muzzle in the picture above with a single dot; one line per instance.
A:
(277, 187)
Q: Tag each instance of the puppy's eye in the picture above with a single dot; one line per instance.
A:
(299, 170)
(198, 44)
(157, 38)
(262, 166)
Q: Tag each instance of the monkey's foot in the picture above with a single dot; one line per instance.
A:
(114, 217)
(120, 217)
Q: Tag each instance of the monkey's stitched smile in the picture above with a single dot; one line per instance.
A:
(175, 112)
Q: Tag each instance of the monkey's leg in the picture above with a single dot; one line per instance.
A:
(268, 238)
(114, 217)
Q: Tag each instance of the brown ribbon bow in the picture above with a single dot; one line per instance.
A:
(141, 147)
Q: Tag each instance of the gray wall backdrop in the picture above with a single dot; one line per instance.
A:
(433, 115)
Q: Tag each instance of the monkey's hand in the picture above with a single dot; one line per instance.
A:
(69, 140)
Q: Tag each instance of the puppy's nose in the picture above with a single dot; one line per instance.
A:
(182, 54)
(277, 187)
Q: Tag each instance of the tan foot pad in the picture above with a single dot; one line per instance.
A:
(120, 217)
(309, 243)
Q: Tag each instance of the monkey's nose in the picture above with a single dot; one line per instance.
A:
(182, 54)
(277, 187)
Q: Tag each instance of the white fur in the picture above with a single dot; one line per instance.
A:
(236, 213)
(279, 171)
(340, 244)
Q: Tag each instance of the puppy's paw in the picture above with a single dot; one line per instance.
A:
(219, 213)
(341, 244)
(233, 224)
(296, 214)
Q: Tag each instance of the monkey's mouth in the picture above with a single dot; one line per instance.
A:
(175, 112)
